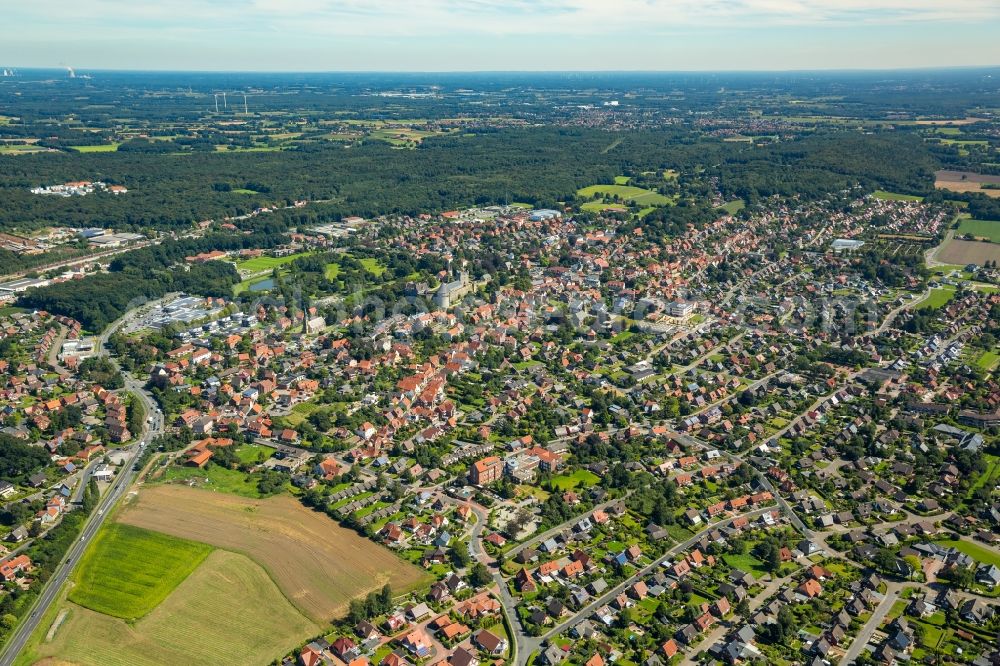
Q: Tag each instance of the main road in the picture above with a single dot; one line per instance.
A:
(126, 474)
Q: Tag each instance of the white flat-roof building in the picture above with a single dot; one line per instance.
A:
(841, 244)
(680, 308)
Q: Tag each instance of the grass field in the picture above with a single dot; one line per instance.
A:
(991, 476)
(580, 477)
(626, 193)
(622, 180)
(938, 298)
(373, 266)
(101, 148)
(746, 562)
(734, 206)
(601, 206)
(262, 264)
(213, 477)
(253, 453)
(332, 271)
(895, 196)
(227, 612)
(988, 360)
(20, 149)
(319, 565)
(128, 571)
(980, 229)
(980, 554)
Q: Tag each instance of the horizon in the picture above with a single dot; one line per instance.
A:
(165, 70)
(504, 35)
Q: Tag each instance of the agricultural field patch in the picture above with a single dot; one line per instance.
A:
(319, 565)
(968, 252)
(980, 229)
(100, 148)
(228, 611)
(128, 571)
(967, 181)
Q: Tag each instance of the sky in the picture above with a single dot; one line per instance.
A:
(495, 35)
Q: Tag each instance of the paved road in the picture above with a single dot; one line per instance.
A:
(126, 474)
(873, 623)
(723, 628)
(608, 596)
(558, 529)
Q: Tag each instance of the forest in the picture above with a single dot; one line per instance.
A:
(540, 165)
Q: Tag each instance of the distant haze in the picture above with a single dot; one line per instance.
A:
(459, 35)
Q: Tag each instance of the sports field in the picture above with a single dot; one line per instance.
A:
(319, 565)
(128, 571)
(227, 612)
(626, 193)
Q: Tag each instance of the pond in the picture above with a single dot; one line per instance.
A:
(263, 285)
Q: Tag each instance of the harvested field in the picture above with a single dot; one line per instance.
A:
(966, 181)
(964, 176)
(955, 121)
(965, 186)
(227, 612)
(319, 565)
(968, 252)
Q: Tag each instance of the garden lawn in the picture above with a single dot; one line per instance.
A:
(979, 553)
(746, 562)
(128, 571)
(988, 360)
(576, 478)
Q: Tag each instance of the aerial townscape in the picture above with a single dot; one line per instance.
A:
(484, 369)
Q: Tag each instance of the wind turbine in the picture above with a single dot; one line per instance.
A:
(216, 102)
(245, 110)
(224, 104)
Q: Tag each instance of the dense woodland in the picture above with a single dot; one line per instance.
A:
(541, 166)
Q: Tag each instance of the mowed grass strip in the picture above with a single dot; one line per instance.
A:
(128, 570)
